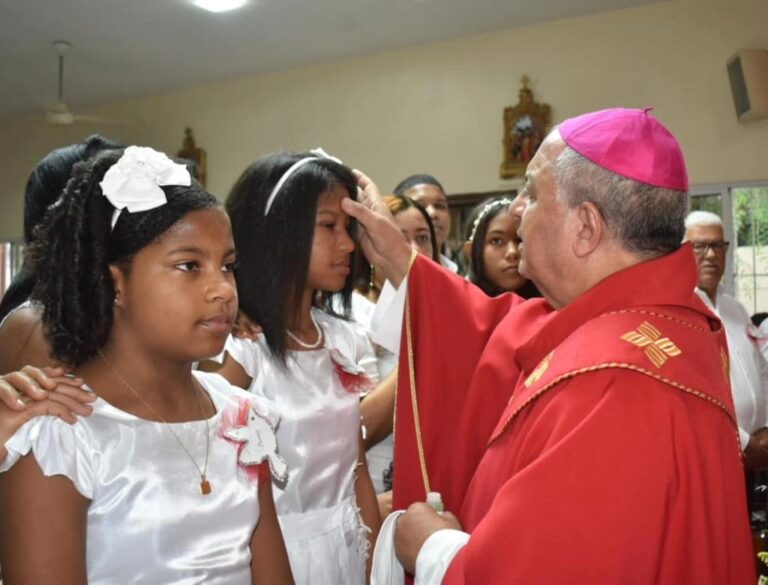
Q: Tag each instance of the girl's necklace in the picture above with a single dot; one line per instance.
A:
(205, 486)
(319, 331)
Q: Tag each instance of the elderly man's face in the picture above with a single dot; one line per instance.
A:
(544, 247)
(710, 249)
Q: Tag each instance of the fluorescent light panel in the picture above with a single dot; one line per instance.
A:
(219, 5)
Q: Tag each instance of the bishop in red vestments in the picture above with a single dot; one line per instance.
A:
(588, 438)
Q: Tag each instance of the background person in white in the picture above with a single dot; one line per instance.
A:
(749, 370)
(429, 193)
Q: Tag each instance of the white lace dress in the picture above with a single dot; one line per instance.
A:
(148, 521)
(318, 436)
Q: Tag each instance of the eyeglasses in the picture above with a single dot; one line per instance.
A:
(701, 248)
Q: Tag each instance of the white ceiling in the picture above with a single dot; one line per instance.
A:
(125, 48)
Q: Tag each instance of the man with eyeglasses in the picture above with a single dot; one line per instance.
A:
(748, 368)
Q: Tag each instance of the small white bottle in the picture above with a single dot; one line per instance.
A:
(435, 501)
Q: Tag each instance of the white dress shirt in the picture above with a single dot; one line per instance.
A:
(749, 370)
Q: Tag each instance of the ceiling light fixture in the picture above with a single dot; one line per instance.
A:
(219, 5)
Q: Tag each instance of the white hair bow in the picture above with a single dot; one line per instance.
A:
(134, 181)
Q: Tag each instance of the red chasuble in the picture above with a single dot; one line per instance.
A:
(595, 444)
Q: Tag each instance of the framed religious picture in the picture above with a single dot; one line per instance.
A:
(190, 151)
(525, 126)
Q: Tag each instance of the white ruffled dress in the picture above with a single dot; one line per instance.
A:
(318, 437)
(148, 521)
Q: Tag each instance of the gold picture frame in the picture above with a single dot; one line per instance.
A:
(525, 126)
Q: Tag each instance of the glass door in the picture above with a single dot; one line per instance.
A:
(750, 216)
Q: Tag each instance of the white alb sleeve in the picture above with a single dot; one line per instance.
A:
(387, 320)
(743, 438)
(436, 555)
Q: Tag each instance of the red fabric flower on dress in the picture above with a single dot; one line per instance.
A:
(352, 376)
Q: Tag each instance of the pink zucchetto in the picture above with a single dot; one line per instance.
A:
(630, 143)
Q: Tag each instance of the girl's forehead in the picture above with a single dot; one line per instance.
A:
(410, 215)
(503, 219)
(211, 222)
(331, 199)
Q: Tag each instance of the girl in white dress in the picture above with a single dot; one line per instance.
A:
(294, 247)
(168, 480)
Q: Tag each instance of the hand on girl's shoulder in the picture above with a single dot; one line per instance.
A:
(32, 392)
(245, 327)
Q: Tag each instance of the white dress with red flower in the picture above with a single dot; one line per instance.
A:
(317, 396)
(148, 521)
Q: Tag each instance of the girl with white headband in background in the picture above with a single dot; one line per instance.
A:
(295, 246)
(493, 249)
(168, 481)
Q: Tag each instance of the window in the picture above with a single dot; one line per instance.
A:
(11, 256)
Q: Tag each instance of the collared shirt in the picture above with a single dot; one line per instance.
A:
(749, 370)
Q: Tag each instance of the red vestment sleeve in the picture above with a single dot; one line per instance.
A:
(598, 479)
(451, 321)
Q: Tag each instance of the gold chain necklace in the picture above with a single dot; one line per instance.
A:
(205, 486)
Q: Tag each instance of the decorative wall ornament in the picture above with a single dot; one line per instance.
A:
(190, 151)
(525, 126)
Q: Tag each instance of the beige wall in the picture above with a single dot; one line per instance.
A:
(437, 108)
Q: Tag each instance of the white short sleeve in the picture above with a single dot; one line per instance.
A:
(58, 448)
(243, 352)
(366, 357)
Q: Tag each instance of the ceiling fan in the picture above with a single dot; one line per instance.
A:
(58, 112)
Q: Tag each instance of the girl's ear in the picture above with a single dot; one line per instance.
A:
(118, 281)
(467, 250)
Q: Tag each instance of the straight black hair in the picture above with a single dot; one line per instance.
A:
(477, 229)
(274, 251)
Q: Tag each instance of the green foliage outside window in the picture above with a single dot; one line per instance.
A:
(750, 211)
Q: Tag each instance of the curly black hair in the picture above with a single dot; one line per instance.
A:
(44, 186)
(273, 252)
(75, 246)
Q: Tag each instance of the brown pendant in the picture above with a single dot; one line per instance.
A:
(205, 487)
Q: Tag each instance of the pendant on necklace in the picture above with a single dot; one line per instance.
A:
(205, 487)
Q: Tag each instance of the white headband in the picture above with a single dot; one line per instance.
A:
(318, 152)
(484, 211)
(134, 181)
